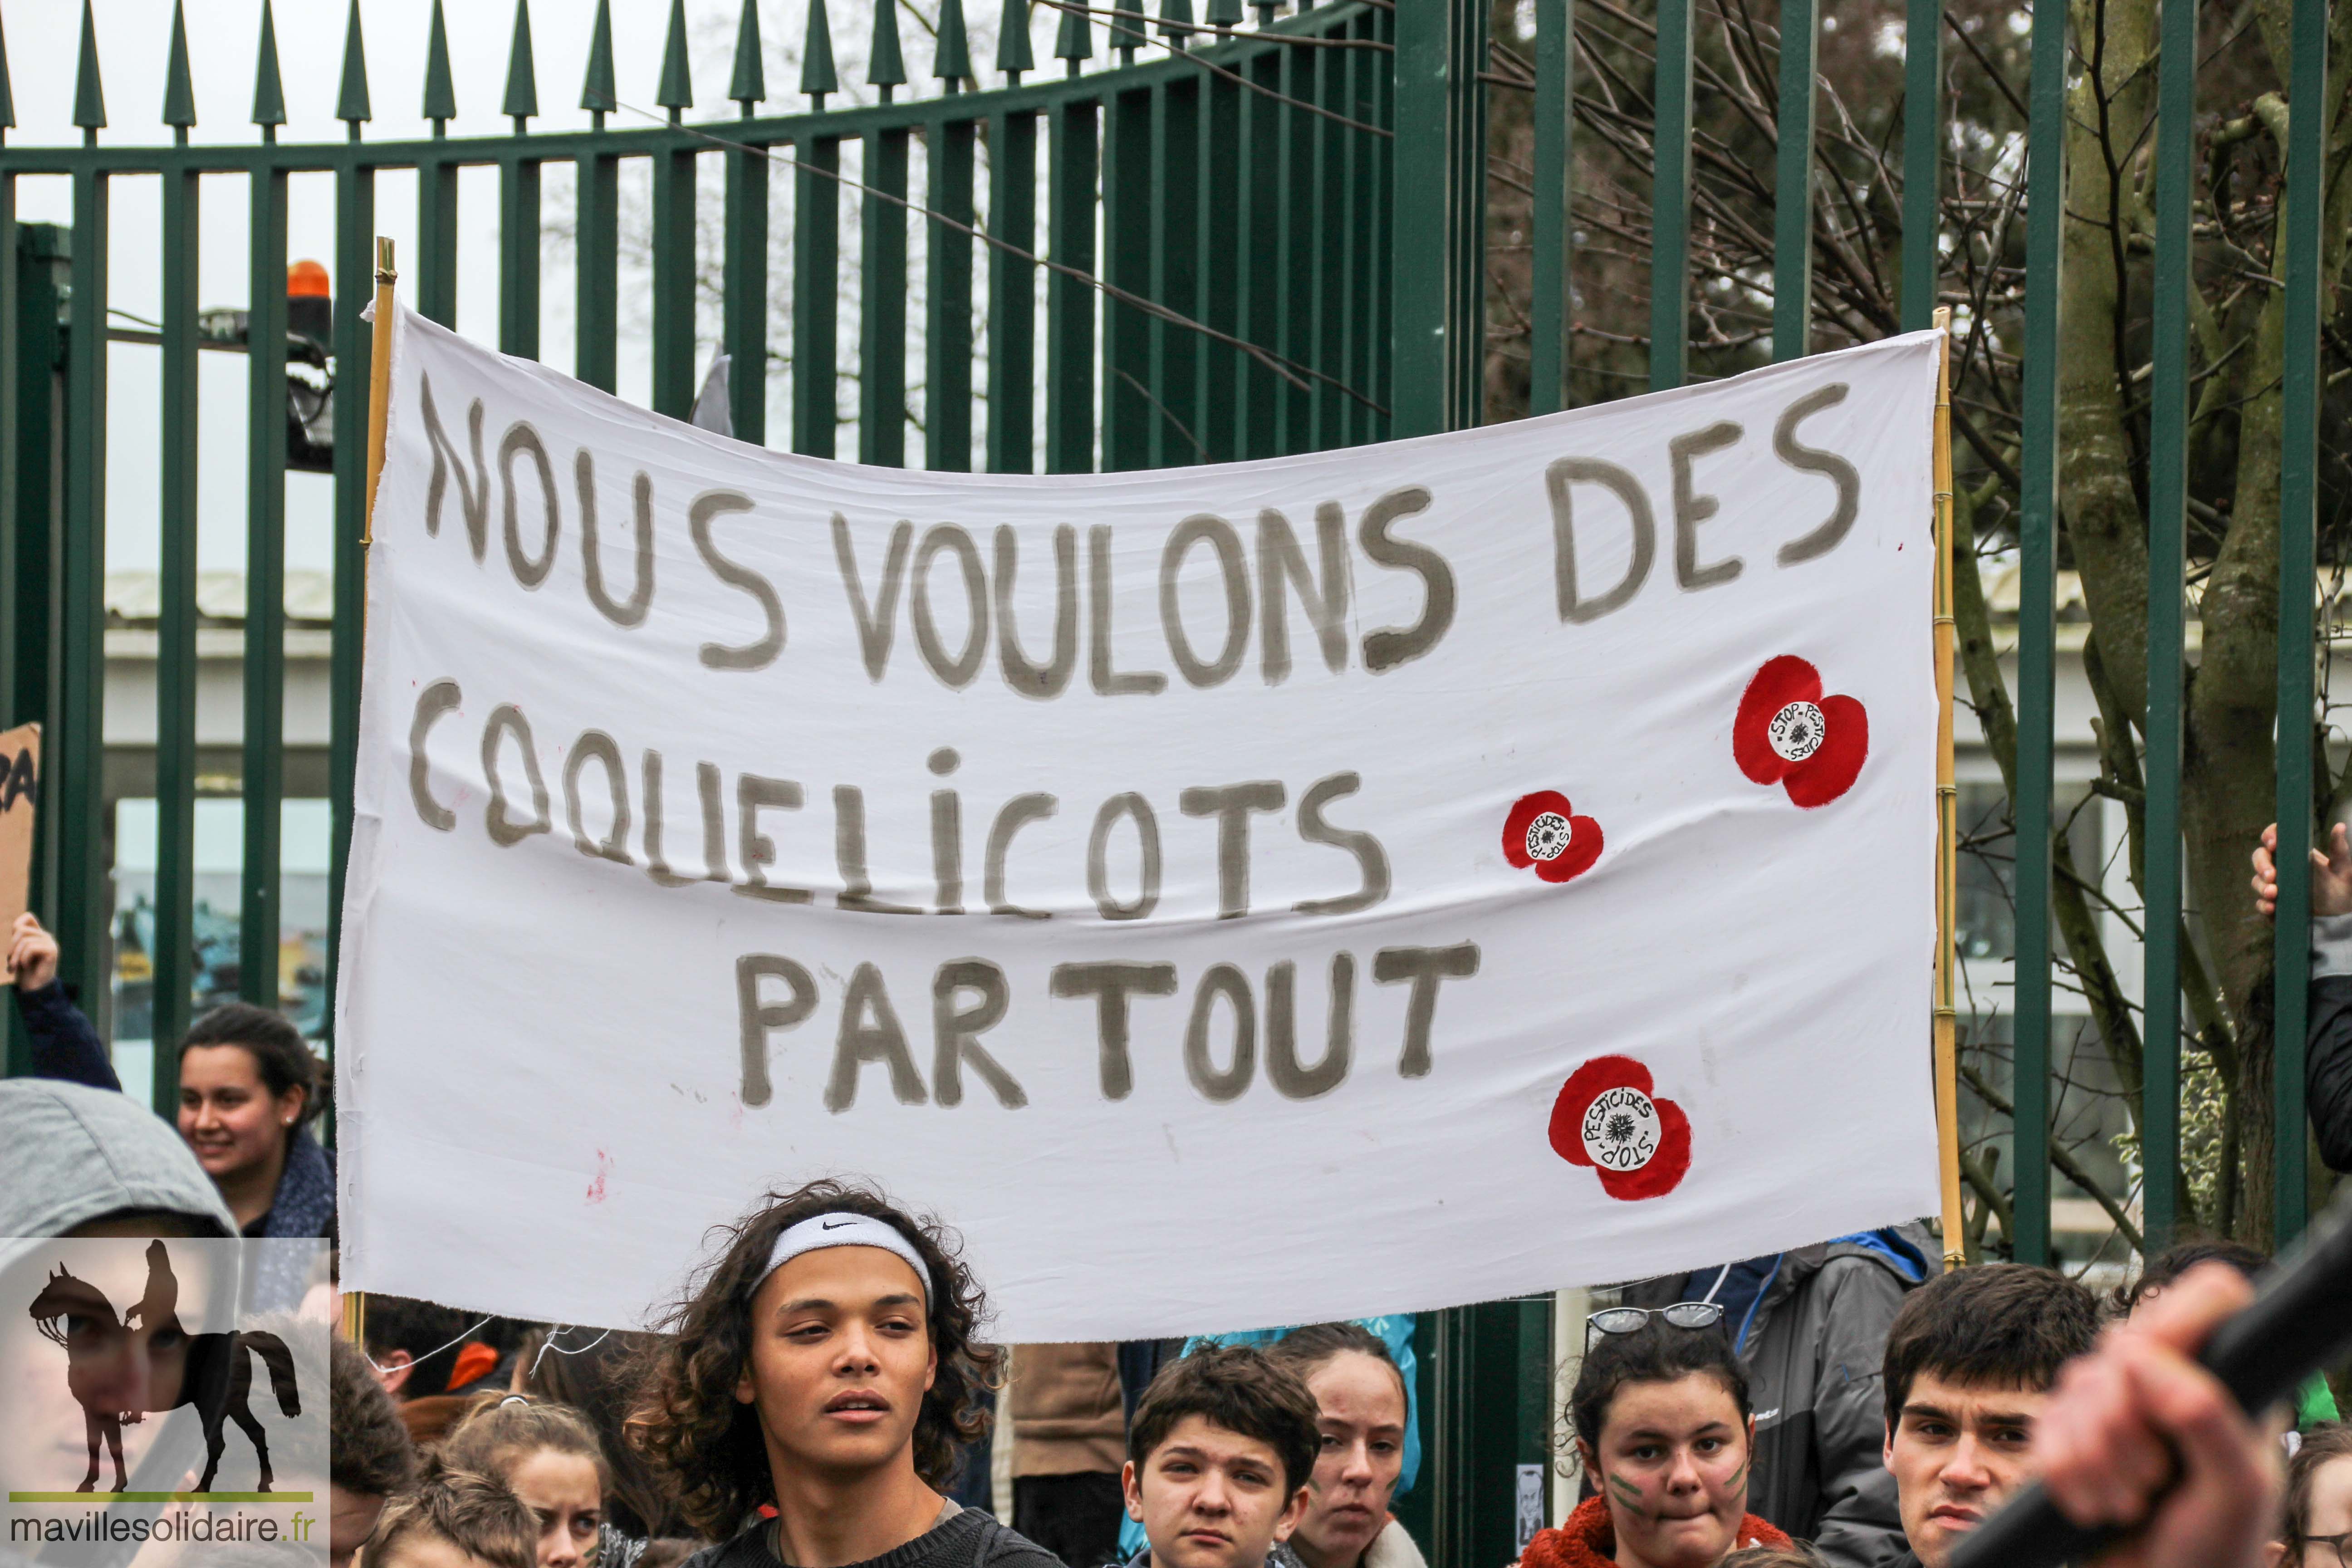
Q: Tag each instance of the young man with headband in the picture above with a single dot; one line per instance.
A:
(807, 1406)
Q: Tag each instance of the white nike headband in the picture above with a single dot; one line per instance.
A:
(844, 1230)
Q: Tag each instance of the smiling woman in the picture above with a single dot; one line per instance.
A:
(825, 1367)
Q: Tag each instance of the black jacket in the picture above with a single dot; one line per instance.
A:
(2328, 1067)
(1815, 1348)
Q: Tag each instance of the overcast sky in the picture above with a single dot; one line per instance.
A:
(133, 36)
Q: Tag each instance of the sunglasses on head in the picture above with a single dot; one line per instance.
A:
(1629, 1320)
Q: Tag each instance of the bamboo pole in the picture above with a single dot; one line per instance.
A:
(379, 377)
(354, 1303)
(1947, 812)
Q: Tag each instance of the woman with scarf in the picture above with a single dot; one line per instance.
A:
(1664, 1433)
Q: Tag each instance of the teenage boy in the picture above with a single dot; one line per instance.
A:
(809, 1402)
(1219, 1454)
(1970, 1360)
(456, 1520)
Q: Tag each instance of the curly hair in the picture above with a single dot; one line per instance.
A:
(707, 1448)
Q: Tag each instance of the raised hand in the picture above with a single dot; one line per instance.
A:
(32, 953)
(2127, 1419)
(2331, 874)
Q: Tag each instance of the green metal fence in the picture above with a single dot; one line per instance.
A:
(1259, 235)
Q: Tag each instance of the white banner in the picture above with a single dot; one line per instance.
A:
(1237, 895)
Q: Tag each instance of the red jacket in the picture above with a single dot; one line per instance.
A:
(1588, 1540)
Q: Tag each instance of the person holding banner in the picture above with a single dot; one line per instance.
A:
(823, 1370)
(1665, 1430)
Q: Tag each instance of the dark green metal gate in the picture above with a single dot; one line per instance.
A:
(1266, 234)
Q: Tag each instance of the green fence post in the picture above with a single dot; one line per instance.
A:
(264, 590)
(1012, 314)
(1552, 243)
(1923, 162)
(882, 312)
(1073, 135)
(1792, 184)
(597, 195)
(816, 305)
(176, 643)
(2167, 494)
(2298, 512)
(1130, 197)
(947, 262)
(1426, 203)
(518, 209)
(31, 350)
(2046, 162)
(1670, 199)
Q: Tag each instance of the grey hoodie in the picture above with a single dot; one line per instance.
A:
(71, 1155)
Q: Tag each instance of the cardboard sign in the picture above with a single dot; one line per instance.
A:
(1254, 893)
(20, 795)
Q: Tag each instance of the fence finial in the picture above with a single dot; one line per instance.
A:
(676, 89)
(268, 84)
(1013, 55)
(8, 94)
(885, 67)
(352, 105)
(1224, 14)
(440, 90)
(751, 83)
(597, 93)
(952, 63)
(179, 85)
(1075, 40)
(522, 76)
(1127, 29)
(90, 93)
(817, 75)
(1176, 22)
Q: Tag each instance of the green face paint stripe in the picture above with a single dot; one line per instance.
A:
(1627, 1493)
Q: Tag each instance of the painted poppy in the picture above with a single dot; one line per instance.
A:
(1789, 734)
(1607, 1118)
(1544, 831)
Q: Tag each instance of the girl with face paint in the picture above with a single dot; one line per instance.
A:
(1664, 1430)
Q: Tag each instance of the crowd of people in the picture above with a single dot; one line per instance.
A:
(822, 1393)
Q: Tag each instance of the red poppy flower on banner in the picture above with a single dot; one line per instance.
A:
(1787, 734)
(1544, 831)
(1607, 1118)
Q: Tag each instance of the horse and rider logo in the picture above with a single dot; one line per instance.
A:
(211, 1373)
